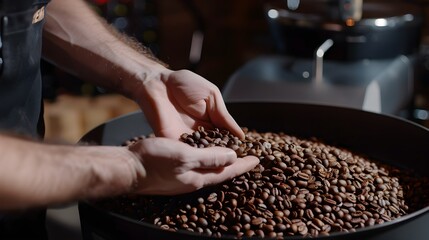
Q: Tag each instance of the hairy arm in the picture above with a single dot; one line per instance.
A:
(78, 40)
(35, 174)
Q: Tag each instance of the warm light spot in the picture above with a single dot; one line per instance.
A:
(350, 22)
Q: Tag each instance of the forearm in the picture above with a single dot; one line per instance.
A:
(35, 174)
(76, 39)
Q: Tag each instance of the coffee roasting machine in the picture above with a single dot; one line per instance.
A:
(348, 53)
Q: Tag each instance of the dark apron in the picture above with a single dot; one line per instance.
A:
(21, 97)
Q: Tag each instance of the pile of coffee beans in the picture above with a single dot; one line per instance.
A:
(300, 188)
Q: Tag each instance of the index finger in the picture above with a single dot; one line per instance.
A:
(221, 118)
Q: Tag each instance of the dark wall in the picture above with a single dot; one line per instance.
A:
(234, 32)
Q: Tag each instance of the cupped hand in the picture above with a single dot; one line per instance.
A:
(173, 167)
(180, 101)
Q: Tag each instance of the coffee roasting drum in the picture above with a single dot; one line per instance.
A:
(385, 139)
(372, 30)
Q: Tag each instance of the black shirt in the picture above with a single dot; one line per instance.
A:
(20, 95)
(20, 53)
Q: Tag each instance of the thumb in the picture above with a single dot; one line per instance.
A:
(221, 118)
(212, 157)
(239, 167)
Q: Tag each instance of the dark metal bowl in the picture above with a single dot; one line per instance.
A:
(385, 138)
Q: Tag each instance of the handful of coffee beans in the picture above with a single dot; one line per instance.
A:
(300, 188)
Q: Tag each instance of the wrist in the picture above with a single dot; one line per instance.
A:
(148, 83)
(114, 170)
(137, 170)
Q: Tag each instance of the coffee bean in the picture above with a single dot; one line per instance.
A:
(233, 203)
(280, 227)
(350, 188)
(277, 170)
(330, 201)
(235, 229)
(246, 218)
(289, 171)
(249, 233)
(329, 221)
(302, 229)
(347, 217)
(203, 222)
(283, 166)
(184, 218)
(193, 218)
(301, 183)
(212, 197)
(204, 142)
(271, 199)
(327, 208)
(303, 176)
(260, 233)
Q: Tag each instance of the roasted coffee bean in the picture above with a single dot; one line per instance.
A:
(260, 233)
(250, 233)
(245, 218)
(235, 229)
(327, 208)
(212, 197)
(193, 218)
(302, 183)
(318, 222)
(203, 222)
(289, 171)
(303, 176)
(330, 201)
(278, 213)
(280, 227)
(257, 221)
(309, 214)
(283, 166)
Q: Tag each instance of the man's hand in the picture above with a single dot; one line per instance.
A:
(173, 167)
(177, 102)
